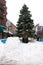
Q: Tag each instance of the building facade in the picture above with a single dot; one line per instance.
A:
(10, 27)
(39, 32)
(3, 19)
(3, 12)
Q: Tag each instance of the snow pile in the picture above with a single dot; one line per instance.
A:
(18, 53)
(1, 50)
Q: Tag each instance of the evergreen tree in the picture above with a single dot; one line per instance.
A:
(25, 24)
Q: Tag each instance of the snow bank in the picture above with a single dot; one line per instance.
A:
(18, 53)
(1, 50)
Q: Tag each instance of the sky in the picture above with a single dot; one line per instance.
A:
(35, 6)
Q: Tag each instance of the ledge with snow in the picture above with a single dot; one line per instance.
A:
(17, 53)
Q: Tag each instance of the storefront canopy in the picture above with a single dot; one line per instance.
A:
(1, 28)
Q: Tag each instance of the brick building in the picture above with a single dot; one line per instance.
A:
(3, 12)
(13, 28)
(39, 32)
(10, 27)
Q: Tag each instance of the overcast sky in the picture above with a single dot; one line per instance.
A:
(35, 6)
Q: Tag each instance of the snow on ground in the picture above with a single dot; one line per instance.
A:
(18, 53)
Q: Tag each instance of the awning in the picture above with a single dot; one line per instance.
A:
(1, 28)
(10, 32)
(7, 32)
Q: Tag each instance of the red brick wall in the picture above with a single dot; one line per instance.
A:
(3, 1)
(4, 11)
(12, 28)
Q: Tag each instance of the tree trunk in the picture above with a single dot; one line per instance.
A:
(25, 40)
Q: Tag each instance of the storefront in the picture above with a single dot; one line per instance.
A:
(1, 31)
(40, 36)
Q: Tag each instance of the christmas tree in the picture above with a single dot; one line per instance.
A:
(25, 24)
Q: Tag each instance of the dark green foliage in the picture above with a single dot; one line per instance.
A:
(25, 24)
